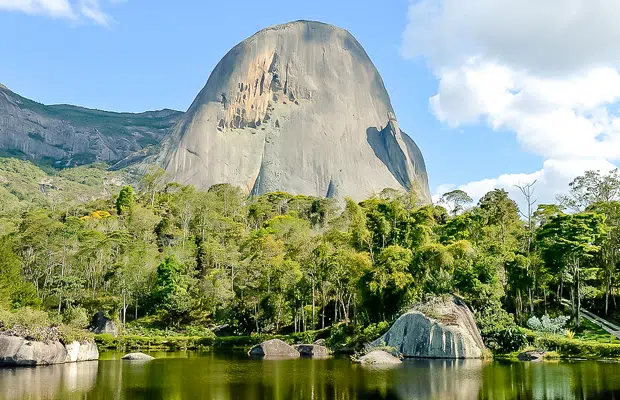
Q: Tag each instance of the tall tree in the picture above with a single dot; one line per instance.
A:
(570, 239)
(590, 188)
(125, 200)
(455, 200)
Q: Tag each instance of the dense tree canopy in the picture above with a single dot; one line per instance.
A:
(282, 263)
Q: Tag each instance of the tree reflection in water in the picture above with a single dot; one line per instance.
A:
(228, 375)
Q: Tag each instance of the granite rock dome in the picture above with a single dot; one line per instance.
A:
(297, 107)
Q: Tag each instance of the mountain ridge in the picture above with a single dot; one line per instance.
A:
(73, 135)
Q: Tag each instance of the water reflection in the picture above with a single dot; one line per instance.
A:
(48, 382)
(226, 375)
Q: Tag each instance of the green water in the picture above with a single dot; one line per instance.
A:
(230, 375)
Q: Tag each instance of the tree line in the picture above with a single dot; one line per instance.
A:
(290, 263)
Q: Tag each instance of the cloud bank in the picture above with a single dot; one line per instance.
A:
(547, 71)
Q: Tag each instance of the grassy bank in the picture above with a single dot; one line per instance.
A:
(187, 342)
(340, 339)
(589, 344)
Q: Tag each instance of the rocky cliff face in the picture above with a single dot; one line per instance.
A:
(73, 135)
(17, 351)
(298, 107)
(444, 328)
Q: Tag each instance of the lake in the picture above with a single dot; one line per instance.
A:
(232, 375)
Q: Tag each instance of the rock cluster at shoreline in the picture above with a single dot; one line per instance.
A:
(19, 351)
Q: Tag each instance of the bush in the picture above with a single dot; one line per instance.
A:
(76, 317)
(24, 318)
(547, 324)
(577, 348)
(499, 331)
(354, 337)
(39, 325)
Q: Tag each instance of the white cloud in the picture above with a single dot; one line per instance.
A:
(92, 10)
(76, 11)
(552, 179)
(546, 70)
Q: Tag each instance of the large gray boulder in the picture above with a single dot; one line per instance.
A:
(378, 357)
(102, 324)
(312, 350)
(298, 107)
(17, 351)
(82, 351)
(442, 328)
(274, 348)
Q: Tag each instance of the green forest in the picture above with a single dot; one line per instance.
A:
(167, 258)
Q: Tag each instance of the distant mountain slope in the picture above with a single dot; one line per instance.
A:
(25, 186)
(69, 135)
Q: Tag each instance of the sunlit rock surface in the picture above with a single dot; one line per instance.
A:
(443, 328)
(297, 107)
(378, 357)
(17, 351)
(274, 348)
(137, 357)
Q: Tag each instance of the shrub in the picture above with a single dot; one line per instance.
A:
(354, 337)
(76, 317)
(578, 348)
(39, 325)
(499, 331)
(547, 324)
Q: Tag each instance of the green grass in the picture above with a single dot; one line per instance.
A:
(562, 347)
(187, 342)
(592, 332)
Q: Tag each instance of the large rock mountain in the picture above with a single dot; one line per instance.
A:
(72, 135)
(298, 107)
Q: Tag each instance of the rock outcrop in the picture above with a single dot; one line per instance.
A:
(312, 350)
(531, 355)
(443, 328)
(74, 135)
(378, 357)
(137, 357)
(297, 107)
(102, 324)
(17, 351)
(274, 348)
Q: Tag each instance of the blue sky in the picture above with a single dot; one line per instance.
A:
(453, 85)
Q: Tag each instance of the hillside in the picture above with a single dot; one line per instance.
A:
(66, 135)
(25, 186)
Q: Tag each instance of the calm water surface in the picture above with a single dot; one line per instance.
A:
(231, 375)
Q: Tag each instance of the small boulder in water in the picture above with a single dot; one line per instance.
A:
(378, 357)
(274, 348)
(137, 357)
(532, 355)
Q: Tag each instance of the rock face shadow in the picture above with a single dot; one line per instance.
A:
(383, 143)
